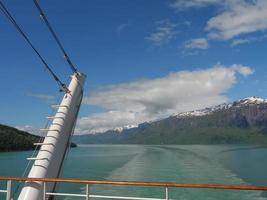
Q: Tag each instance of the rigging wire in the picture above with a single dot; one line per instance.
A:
(43, 16)
(8, 15)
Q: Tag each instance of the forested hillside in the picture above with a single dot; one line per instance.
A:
(12, 139)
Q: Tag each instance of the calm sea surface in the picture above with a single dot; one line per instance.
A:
(231, 164)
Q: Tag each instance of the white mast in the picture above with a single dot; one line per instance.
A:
(51, 155)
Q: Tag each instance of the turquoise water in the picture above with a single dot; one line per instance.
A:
(231, 164)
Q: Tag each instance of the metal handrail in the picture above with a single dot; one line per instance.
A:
(141, 183)
(166, 185)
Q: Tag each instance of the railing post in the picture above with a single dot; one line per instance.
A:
(8, 190)
(166, 193)
(44, 191)
(87, 192)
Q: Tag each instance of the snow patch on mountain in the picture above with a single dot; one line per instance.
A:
(207, 111)
(120, 129)
(252, 100)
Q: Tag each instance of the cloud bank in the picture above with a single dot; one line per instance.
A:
(147, 100)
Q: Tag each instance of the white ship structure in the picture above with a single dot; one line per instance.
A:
(49, 160)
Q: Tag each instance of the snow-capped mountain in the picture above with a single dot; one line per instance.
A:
(201, 112)
(252, 100)
(243, 121)
(207, 111)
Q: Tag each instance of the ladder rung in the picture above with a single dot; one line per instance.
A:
(47, 129)
(39, 144)
(53, 117)
(35, 158)
(59, 106)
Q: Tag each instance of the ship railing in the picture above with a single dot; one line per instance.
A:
(87, 195)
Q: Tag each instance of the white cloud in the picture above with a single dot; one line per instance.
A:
(187, 23)
(146, 100)
(198, 43)
(101, 122)
(182, 4)
(123, 27)
(47, 98)
(248, 40)
(244, 70)
(239, 17)
(236, 42)
(163, 34)
(235, 18)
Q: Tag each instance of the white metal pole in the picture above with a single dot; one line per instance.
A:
(8, 190)
(87, 192)
(50, 157)
(44, 191)
(166, 193)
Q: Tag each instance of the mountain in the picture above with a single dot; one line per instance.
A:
(243, 121)
(12, 139)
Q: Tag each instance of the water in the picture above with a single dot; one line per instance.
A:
(230, 164)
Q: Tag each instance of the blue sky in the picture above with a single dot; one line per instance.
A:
(137, 56)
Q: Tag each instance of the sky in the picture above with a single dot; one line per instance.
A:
(144, 60)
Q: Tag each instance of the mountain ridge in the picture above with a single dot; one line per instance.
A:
(242, 121)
